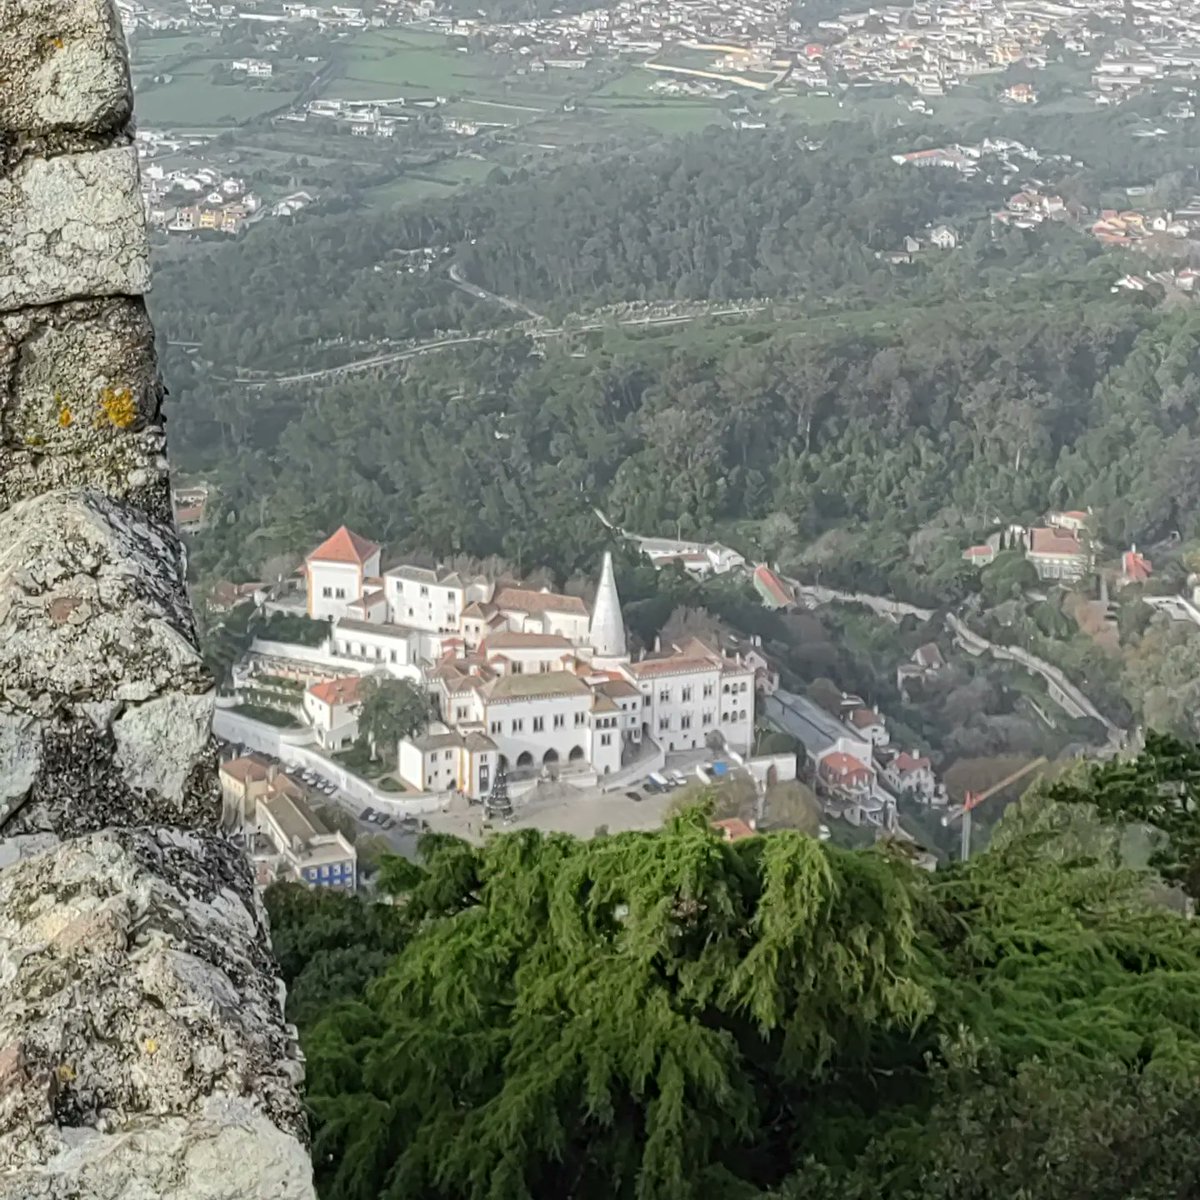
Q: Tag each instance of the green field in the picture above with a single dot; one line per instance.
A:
(379, 64)
(191, 101)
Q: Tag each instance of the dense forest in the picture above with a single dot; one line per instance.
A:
(853, 420)
(668, 1016)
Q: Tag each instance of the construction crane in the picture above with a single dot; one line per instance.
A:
(973, 800)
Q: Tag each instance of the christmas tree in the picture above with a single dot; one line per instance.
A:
(498, 804)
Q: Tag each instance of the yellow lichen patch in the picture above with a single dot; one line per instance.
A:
(64, 417)
(118, 406)
(150, 1046)
(66, 1073)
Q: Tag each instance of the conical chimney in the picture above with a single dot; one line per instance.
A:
(607, 631)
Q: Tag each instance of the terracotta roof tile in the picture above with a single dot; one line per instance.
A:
(338, 691)
(344, 546)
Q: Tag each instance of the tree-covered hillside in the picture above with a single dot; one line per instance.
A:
(669, 1016)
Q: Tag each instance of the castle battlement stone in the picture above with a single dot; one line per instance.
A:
(144, 1053)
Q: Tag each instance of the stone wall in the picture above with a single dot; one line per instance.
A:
(143, 1049)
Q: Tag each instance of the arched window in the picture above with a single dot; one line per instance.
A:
(525, 759)
(576, 754)
(551, 756)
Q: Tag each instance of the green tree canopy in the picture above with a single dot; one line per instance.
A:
(668, 1016)
(391, 709)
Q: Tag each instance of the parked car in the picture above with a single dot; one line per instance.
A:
(652, 785)
(365, 815)
(635, 796)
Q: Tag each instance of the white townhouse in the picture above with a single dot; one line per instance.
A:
(694, 691)
(332, 707)
(338, 572)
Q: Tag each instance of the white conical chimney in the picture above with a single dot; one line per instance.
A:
(607, 632)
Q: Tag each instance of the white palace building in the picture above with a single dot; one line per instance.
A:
(527, 678)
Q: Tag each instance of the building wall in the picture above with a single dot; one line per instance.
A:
(606, 741)
(684, 709)
(568, 625)
(370, 650)
(430, 606)
(332, 588)
(514, 726)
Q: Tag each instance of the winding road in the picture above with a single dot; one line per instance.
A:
(390, 357)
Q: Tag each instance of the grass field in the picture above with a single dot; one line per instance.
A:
(408, 63)
(190, 101)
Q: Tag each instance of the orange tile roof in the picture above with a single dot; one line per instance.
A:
(864, 718)
(1056, 545)
(1135, 566)
(839, 767)
(344, 547)
(734, 829)
(337, 691)
(245, 770)
(675, 665)
(530, 601)
(905, 762)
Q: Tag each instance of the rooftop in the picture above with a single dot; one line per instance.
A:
(1053, 544)
(345, 690)
(529, 687)
(344, 546)
(530, 601)
(508, 640)
(248, 769)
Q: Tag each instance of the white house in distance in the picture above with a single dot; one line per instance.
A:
(332, 708)
(338, 571)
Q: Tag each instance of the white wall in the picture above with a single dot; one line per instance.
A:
(431, 606)
(512, 743)
(362, 650)
(343, 581)
(289, 746)
(685, 708)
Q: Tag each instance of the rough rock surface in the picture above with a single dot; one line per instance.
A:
(63, 68)
(80, 403)
(143, 1049)
(106, 705)
(73, 226)
(142, 1024)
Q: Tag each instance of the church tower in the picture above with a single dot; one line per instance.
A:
(607, 631)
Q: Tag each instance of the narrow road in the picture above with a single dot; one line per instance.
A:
(446, 343)
(473, 289)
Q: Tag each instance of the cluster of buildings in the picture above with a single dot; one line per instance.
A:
(184, 200)
(858, 774)
(526, 679)
(286, 840)
(1062, 550)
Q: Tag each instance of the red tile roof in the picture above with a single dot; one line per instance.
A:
(337, 691)
(842, 768)
(1136, 567)
(530, 601)
(904, 763)
(865, 718)
(733, 828)
(772, 586)
(245, 770)
(1056, 545)
(344, 546)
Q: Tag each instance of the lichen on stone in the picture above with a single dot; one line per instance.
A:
(118, 406)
